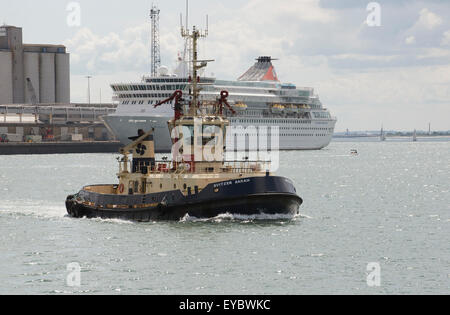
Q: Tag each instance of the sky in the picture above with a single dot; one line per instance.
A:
(393, 70)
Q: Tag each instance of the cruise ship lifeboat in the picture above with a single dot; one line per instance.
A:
(240, 107)
(277, 109)
(292, 109)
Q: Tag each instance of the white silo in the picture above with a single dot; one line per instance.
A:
(62, 63)
(6, 87)
(31, 70)
(47, 78)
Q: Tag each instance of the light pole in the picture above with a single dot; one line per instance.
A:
(89, 88)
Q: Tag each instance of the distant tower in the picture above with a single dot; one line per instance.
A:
(188, 49)
(156, 51)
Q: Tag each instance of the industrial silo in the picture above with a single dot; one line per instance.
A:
(62, 63)
(31, 70)
(6, 88)
(47, 78)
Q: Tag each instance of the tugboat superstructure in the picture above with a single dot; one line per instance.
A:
(198, 181)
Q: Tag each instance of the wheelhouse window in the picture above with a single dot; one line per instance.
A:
(210, 134)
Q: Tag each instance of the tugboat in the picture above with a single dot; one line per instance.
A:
(151, 190)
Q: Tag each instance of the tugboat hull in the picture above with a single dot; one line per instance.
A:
(283, 205)
(265, 195)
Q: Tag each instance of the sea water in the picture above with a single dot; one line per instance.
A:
(388, 207)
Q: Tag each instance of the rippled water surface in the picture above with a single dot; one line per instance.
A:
(390, 205)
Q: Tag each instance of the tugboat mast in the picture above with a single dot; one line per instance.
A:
(195, 35)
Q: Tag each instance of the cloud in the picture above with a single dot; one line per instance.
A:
(435, 53)
(111, 52)
(306, 10)
(348, 4)
(410, 40)
(115, 52)
(365, 57)
(366, 76)
(446, 39)
(399, 98)
(428, 19)
(285, 30)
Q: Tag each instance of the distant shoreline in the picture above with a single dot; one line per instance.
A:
(376, 138)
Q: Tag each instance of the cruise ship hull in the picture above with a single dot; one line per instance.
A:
(124, 127)
(318, 136)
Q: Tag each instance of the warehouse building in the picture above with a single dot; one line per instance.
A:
(32, 74)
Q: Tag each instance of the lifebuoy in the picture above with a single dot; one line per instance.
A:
(121, 188)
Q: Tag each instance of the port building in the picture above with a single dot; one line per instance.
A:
(32, 73)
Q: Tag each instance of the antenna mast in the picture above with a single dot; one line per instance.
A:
(193, 37)
(155, 49)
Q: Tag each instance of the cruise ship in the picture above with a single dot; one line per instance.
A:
(258, 99)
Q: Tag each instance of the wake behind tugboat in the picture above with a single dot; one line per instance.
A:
(260, 218)
(151, 190)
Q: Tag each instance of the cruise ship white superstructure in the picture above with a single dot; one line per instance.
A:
(258, 98)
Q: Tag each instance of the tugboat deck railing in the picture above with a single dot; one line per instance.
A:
(234, 167)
